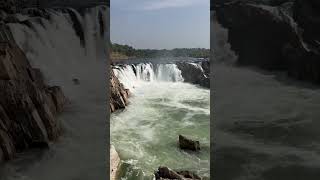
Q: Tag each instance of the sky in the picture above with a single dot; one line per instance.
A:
(160, 24)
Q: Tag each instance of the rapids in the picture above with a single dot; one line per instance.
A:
(161, 107)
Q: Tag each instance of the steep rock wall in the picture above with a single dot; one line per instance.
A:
(274, 37)
(119, 95)
(28, 107)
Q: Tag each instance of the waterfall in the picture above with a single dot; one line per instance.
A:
(65, 44)
(132, 75)
(68, 44)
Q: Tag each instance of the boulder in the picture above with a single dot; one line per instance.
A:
(188, 144)
(194, 73)
(188, 175)
(166, 173)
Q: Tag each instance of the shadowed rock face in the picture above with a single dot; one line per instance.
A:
(270, 38)
(28, 107)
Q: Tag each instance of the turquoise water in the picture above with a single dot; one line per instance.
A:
(145, 134)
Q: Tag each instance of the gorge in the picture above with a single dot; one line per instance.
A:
(161, 106)
(64, 44)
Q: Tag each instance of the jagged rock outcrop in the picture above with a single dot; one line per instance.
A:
(270, 38)
(119, 95)
(188, 144)
(195, 73)
(28, 106)
(166, 173)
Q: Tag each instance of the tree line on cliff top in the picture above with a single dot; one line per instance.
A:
(151, 53)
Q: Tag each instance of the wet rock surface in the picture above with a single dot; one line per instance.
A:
(281, 35)
(28, 106)
(188, 144)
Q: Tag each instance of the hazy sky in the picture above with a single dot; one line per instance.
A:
(161, 24)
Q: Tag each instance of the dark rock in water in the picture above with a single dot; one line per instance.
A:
(166, 173)
(188, 144)
(75, 81)
(188, 174)
(28, 106)
(195, 73)
(281, 37)
(119, 95)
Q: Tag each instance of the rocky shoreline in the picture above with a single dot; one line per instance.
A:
(278, 35)
(28, 106)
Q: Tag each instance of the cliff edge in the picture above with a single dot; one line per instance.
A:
(28, 106)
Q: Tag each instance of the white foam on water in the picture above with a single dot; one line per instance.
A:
(147, 130)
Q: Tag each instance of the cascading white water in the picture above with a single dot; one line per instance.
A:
(66, 44)
(161, 107)
(54, 46)
(132, 75)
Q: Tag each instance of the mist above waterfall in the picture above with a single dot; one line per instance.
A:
(52, 43)
(132, 75)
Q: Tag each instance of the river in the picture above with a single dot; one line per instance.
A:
(161, 107)
(266, 126)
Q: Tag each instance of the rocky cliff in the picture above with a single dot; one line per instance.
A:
(274, 35)
(119, 95)
(28, 106)
(196, 73)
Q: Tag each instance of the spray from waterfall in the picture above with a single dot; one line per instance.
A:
(66, 45)
(133, 75)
